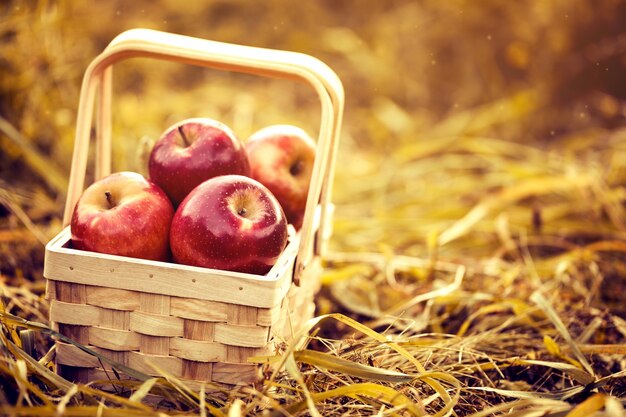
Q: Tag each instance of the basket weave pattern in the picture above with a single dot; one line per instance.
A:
(192, 339)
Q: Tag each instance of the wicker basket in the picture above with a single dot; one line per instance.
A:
(197, 324)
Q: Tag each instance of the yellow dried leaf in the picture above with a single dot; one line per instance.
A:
(552, 347)
(326, 361)
(589, 406)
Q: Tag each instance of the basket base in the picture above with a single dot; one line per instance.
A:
(115, 382)
(185, 350)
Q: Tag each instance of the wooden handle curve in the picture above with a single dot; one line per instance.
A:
(229, 57)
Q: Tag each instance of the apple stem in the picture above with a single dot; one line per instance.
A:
(242, 211)
(109, 197)
(182, 134)
(296, 168)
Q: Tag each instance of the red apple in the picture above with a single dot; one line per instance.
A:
(192, 151)
(123, 214)
(281, 158)
(231, 223)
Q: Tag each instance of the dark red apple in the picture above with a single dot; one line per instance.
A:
(123, 214)
(231, 223)
(281, 158)
(192, 151)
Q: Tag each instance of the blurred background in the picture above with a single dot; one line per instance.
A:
(469, 126)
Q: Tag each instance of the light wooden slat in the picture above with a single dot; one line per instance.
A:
(159, 343)
(120, 357)
(103, 270)
(196, 309)
(76, 333)
(310, 282)
(155, 324)
(239, 354)
(298, 306)
(297, 310)
(194, 371)
(141, 362)
(204, 331)
(154, 345)
(199, 330)
(115, 319)
(75, 294)
(247, 336)
(71, 293)
(293, 320)
(197, 350)
(154, 303)
(99, 374)
(268, 316)
(70, 355)
(113, 298)
(114, 339)
(51, 290)
(235, 373)
(242, 315)
(282, 328)
(77, 314)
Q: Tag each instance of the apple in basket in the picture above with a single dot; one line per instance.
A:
(281, 158)
(192, 151)
(231, 223)
(123, 214)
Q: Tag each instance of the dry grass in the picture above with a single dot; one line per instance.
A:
(478, 261)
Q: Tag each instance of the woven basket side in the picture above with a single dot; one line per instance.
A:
(189, 338)
(298, 306)
(74, 294)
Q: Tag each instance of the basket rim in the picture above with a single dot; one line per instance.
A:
(91, 268)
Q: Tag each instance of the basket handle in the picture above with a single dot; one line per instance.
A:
(238, 58)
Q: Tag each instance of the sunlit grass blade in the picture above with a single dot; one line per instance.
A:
(575, 372)
(62, 405)
(52, 378)
(535, 407)
(6, 200)
(430, 378)
(43, 165)
(343, 273)
(589, 406)
(292, 368)
(26, 384)
(524, 189)
(326, 361)
(143, 390)
(379, 392)
(561, 395)
(80, 411)
(235, 409)
(554, 349)
(541, 301)
(605, 380)
(440, 292)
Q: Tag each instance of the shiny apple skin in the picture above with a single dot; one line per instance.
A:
(274, 152)
(137, 226)
(213, 150)
(209, 231)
